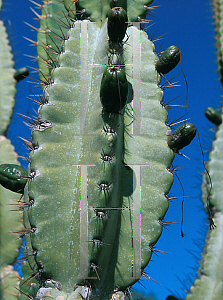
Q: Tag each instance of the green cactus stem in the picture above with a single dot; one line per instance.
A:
(53, 25)
(209, 284)
(97, 174)
(9, 281)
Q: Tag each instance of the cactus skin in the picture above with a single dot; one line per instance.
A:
(64, 126)
(9, 281)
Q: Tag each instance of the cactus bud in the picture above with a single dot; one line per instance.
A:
(213, 115)
(168, 60)
(114, 89)
(117, 24)
(13, 177)
(182, 137)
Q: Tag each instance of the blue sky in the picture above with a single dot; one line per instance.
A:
(190, 27)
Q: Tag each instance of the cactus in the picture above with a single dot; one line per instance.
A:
(7, 83)
(10, 215)
(209, 284)
(105, 156)
(104, 190)
(10, 225)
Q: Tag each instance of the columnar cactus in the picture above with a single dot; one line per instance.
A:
(209, 284)
(96, 170)
(10, 219)
(107, 165)
(115, 174)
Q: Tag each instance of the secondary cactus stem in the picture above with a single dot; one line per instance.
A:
(209, 284)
